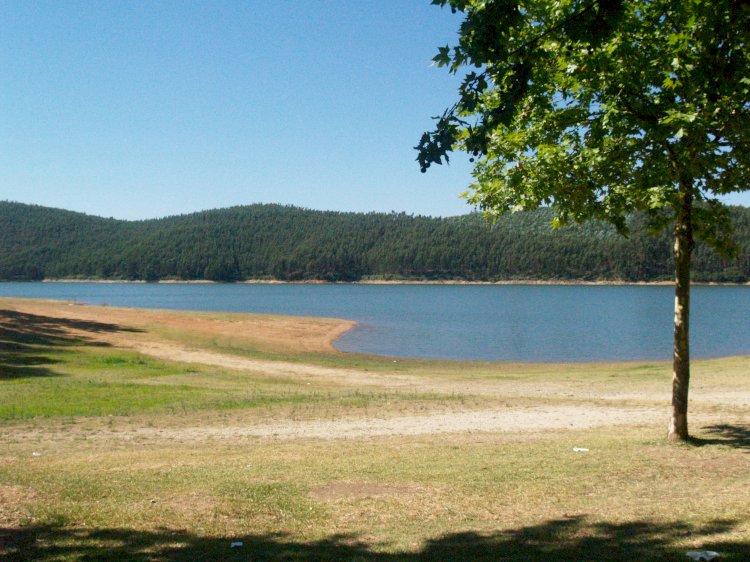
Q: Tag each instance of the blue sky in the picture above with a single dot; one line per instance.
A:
(148, 109)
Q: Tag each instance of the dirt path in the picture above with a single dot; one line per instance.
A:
(499, 420)
(297, 371)
(303, 372)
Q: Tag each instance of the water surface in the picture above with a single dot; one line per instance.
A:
(471, 322)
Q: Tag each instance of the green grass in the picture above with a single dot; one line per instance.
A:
(89, 470)
(100, 381)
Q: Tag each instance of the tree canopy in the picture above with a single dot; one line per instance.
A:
(288, 243)
(601, 107)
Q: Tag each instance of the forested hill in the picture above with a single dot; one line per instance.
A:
(288, 243)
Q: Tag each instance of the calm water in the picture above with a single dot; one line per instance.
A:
(508, 323)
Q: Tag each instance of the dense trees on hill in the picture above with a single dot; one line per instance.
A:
(288, 243)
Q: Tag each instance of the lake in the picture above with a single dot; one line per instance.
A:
(470, 322)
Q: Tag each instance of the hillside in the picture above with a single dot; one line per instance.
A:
(289, 243)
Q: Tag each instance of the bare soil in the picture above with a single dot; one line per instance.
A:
(290, 333)
(496, 420)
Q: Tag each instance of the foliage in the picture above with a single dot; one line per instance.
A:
(273, 242)
(601, 107)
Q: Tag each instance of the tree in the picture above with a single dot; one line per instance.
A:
(599, 108)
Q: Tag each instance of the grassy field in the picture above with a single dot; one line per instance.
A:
(127, 435)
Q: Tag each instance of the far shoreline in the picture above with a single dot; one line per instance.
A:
(506, 282)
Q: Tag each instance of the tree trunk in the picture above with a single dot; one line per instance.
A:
(683, 249)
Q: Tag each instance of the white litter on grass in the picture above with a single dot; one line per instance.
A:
(706, 555)
(35, 454)
(236, 544)
(580, 450)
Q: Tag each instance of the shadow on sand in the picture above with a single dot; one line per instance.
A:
(26, 340)
(561, 539)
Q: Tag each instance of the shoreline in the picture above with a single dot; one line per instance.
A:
(506, 282)
(295, 334)
(269, 332)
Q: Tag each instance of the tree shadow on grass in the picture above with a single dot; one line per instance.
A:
(559, 539)
(27, 339)
(734, 435)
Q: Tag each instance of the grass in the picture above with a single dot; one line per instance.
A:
(416, 489)
(90, 471)
(95, 382)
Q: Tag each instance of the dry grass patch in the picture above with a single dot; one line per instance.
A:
(398, 495)
(358, 490)
(13, 502)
